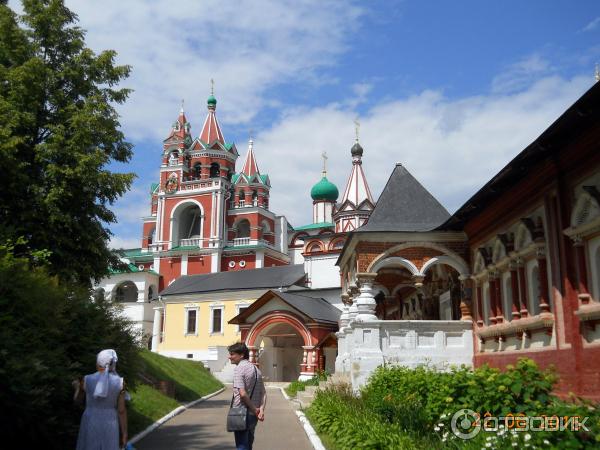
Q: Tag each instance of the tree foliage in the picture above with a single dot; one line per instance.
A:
(59, 133)
(49, 336)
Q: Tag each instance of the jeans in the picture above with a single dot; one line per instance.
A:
(244, 439)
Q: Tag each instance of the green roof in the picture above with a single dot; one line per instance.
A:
(324, 190)
(153, 188)
(314, 226)
(131, 268)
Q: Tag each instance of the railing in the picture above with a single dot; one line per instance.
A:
(241, 241)
(437, 342)
(247, 241)
(158, 246)
(191, 242)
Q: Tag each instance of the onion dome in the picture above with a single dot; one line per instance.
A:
(324, 190)
(356, 150)
(212, 101)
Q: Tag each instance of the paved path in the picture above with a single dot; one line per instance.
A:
(203, 427)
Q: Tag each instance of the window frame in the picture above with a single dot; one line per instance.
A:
(186, 330)
(213, 308)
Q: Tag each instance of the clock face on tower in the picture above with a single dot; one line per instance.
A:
(171, 184)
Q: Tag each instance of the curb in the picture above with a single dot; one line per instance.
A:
(166, 418)
(312, 435)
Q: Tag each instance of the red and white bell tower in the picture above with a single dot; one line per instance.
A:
(204, 217)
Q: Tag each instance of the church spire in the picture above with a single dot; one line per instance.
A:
(211, 131)
(180, 128)
(250, 167)
(357, 201)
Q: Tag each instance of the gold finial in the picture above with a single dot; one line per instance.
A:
(597, 73)
(182, 104)
(212, 87)
(356, 127)
(324, 156)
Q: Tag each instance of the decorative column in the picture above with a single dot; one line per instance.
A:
(522, 288)
(479, 304)
(493, 301)
(253, 355)
(365, 302)
(465, 298)
(498, 294)
(307, 367)
(353, 309)
(584, 294)
(366, 354)
(514, 289)
(156, 325)
(543, 278)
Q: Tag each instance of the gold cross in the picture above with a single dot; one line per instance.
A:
(212, 87)
(324, 156)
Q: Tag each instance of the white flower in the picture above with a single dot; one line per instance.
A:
(436, 428)
(443, 416)
(527, 437)
(489, 444)
(546, 441)
(515, 444)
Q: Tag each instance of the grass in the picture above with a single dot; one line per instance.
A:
(191, 379)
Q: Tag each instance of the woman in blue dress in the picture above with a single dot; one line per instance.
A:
(105, 411)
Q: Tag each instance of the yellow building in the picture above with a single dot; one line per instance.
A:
(192, 314)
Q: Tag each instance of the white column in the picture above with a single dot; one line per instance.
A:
(260, 260)
(215, 261)
(365, 302)
(366, 354)
(156, 264)
(156, 328)
(184, 264)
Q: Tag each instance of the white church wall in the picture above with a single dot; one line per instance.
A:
(322, 271)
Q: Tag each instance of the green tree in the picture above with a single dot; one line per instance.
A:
(59, 134)
(49, 336)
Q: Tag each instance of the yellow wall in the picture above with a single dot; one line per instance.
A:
(174, 337)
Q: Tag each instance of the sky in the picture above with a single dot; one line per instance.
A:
(452, 90)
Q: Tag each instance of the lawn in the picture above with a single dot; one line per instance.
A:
(191, 380)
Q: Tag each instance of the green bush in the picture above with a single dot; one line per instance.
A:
(295, 386)
(49, 336)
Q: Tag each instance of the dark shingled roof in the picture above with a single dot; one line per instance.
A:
(316, 308)
(405, 205)
(271, 277)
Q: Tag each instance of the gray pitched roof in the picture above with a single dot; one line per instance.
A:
(271, 277)
(314, 307)
(405, 205)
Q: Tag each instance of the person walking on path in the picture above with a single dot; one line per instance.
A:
(105, 411)
(249, 389)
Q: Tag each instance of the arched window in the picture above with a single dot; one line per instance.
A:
(242, 229)
(314, 247)
(197, 171)
(126, 292)
(215, 170)
(254, 198)
(242, 198)
(150, 293)
(190, 222)
(151, 236)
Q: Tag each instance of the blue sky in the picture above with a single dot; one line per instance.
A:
(453, 90)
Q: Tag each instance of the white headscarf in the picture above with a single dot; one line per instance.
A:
(108, 360)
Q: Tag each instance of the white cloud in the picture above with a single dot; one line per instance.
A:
(247, 47)
(453, 147)
(592, 25)
(519, 75)
(118, 242)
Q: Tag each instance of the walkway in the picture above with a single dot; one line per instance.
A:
(203, 427)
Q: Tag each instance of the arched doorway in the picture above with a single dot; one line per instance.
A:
(280, 352)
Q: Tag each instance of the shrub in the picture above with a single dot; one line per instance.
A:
(50, 335)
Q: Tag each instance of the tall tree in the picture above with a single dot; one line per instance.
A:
(59, 133)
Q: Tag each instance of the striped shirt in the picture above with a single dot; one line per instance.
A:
(244, 375)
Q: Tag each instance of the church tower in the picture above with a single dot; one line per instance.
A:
(357, 202)
(324, 195)
(186, 230)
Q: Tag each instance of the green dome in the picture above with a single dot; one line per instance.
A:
(212, 100)
(324, 190)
